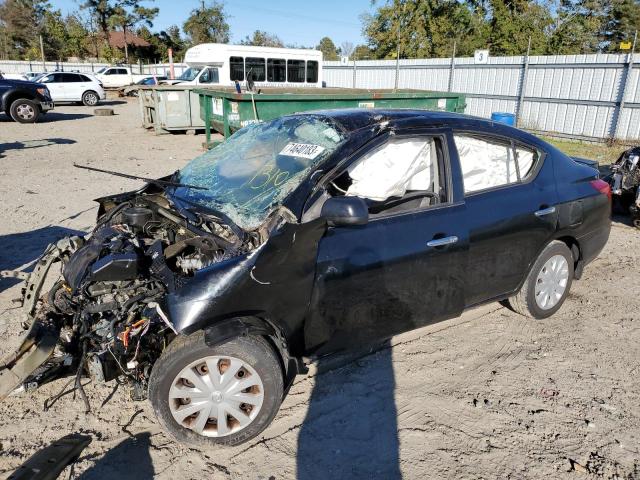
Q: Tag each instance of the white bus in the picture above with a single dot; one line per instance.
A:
(221, 64)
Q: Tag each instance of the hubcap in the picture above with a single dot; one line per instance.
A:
(552, 282)
(91, 99)
(25, 111)
(216, 396)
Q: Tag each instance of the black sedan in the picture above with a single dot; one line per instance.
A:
(300, 237)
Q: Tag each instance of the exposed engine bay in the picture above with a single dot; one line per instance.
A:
(102, 317)
(625, 184)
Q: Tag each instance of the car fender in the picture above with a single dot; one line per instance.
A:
(273, 281)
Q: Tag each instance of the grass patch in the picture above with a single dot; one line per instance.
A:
(605, 155)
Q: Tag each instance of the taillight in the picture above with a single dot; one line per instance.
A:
(602, 186)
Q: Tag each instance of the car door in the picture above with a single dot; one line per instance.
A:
(56, 86)
(510, 198)
(402, 270)
(73, 86)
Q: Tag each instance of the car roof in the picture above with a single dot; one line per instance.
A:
(356, 118)
(352, 119)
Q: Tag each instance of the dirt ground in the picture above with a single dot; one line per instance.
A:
(489, 395)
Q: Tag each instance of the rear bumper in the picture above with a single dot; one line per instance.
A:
(593, 242)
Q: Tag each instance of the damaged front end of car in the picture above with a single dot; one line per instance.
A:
(625, 184)
(103, 316)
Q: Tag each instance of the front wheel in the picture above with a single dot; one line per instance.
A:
(24, 111)
(90, 98)
(548, 283)
(224, 395)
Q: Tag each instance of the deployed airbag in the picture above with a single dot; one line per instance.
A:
(389, 171)
(485, 164)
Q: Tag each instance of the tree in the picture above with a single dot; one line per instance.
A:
(513, 22)
(77, 37)
(361, 52)
(22, 23)
(577, 27)
(328, 49)
(100, 11)
(207, 25)
(622, 21)
(346, 49)
(261, 38)
(129, 13)
(425, 28)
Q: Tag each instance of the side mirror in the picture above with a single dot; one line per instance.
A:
(343, 211)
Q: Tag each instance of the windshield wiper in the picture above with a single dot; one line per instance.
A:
(160, 183)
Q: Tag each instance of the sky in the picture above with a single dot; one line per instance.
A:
(300, 22)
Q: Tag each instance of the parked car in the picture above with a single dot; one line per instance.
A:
(118, 76)
(74, 87)
(32, 75)
(24, 101)
(307, 235)
(132, 90)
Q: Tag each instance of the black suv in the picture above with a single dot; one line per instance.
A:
(24, 101)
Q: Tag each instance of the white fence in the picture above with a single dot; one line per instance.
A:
(12, 67)
(583, 96)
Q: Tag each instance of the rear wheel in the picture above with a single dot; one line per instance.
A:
(90, 98)
(24, 111)
(222, 395)
(548, 283)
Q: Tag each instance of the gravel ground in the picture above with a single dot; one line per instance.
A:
(491, 394)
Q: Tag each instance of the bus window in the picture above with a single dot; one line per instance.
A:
(295, 71)
(210, 75)
(312, 72)
(276, 70)
(256, 67)
(236, 68)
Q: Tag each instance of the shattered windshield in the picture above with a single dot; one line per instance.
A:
(189, 74)
(259, 166)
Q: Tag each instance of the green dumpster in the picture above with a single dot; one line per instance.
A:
(226, 111)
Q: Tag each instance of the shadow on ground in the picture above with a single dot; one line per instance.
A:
(51, 116)
(351, 430)
(18, 249)
(27, 144)
(130, 459)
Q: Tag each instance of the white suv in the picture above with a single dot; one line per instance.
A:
(73, 87)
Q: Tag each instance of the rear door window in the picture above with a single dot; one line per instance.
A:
(489, 163)
(295, 71)
(236, 68)
(71, 78)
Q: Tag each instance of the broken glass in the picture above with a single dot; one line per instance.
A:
(258, 166)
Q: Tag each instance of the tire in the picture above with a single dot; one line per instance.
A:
(90, 98)
(548, 283)
(24, 111)
(188, 354)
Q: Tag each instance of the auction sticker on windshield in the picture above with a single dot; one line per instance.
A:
(302, 150)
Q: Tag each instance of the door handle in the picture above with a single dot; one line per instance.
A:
(545, 211)
(439, 242)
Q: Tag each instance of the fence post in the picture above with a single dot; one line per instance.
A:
(618, 113)
(354, 73)
(452, 67)
(523, 84)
